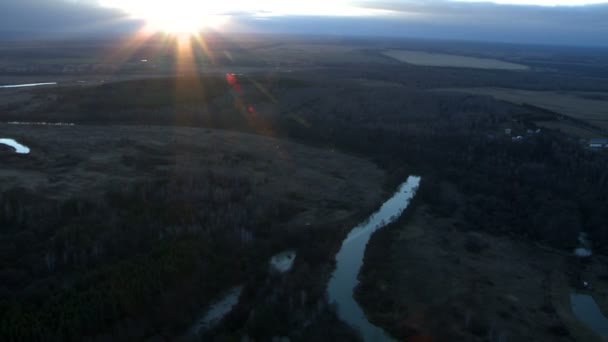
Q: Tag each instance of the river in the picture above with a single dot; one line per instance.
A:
(344, 279)
(350, 259)
(26, 85)
(587, 311)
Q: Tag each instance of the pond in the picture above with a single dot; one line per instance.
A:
(283, 262)
(20, 149)
(587, 311)
(350, 259)
(584, 249)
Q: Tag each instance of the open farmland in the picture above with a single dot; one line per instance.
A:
(311, 54)
(445, 60)
(588, 106)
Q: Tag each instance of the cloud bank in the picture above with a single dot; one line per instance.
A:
(442, 19)
(587, 25)
(61, 18)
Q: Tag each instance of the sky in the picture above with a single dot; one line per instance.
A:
(574, 22)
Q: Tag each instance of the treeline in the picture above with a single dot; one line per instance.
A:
(547, 77)
(545, 187)
(509, 186)
(140, 261)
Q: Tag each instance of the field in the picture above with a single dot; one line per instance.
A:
(446, 60)
(302, 54)
(568, 128)
(587, 106)
(85, 160)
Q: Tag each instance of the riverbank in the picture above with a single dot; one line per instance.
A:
(295, 304)
(429, 277)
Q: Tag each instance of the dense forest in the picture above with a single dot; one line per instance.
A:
(179, 238)
(545, 187)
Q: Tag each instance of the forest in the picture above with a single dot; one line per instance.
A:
(150, 254)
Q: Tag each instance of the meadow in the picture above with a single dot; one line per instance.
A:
(447, 60)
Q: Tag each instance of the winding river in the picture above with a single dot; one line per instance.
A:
(343, 280)
(350, 259)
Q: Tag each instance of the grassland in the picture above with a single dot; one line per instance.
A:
(306, 54)
(446, 60)
(568, 128)
(77, 160)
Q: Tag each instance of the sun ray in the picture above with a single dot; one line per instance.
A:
(189, 89)
(127, 48)
(202, 43)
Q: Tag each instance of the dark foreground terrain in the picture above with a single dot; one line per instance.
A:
(172, 187)
(127, 232)
(460, 284)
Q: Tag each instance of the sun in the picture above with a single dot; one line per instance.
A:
(174, 16)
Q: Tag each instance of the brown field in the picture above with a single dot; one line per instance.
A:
(445, 60)
(300, 54)
(588, 106)
(72, 161)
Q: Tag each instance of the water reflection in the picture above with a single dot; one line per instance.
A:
(587, 311)
(350, 258)
(27, 85)
(283, 262)
(217, 311)
(20, 149)
(41, 123)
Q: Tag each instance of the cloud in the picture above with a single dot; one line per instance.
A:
(45, 18)
(442, 19)
(446, 19)
(489, 21)
(506, 15)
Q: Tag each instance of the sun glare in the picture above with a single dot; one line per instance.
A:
(194, 15)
